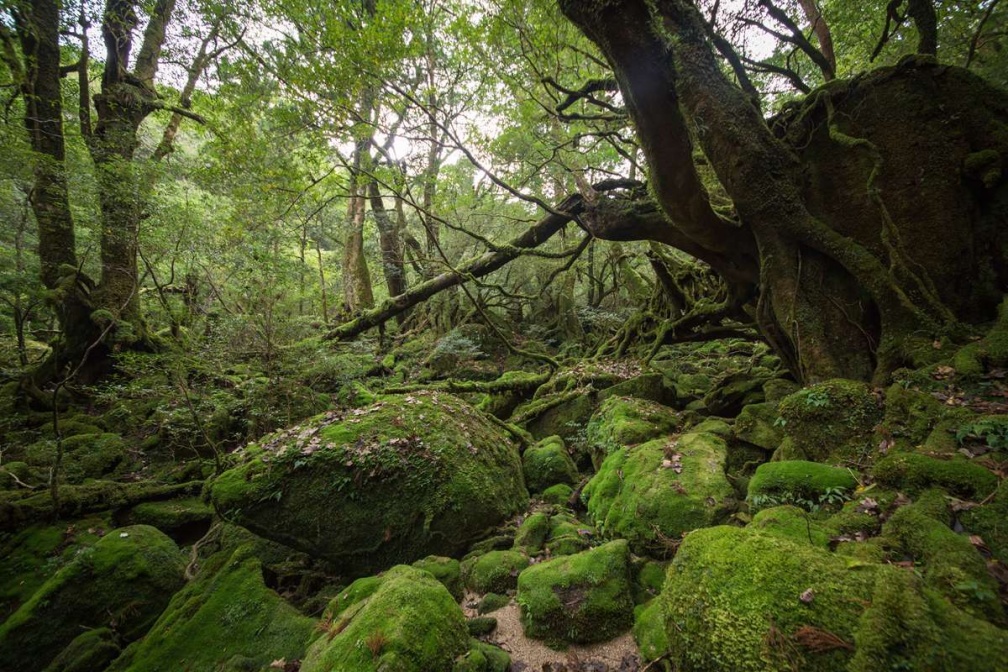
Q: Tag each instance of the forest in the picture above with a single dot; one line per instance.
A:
(503, 335)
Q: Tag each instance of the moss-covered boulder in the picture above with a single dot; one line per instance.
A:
(446, 570)
(649, 631)
(658, 490)
(831, 420)
(407, 477)
(482, 657)
(758, 425)
(547, 463)
(579, 598)
(30, 557)
(226, 619)
(123, 582)
(567, 535)
(493, 572)
(403, 620)
(807, 484)
(91, 651)
(914, 472)
(532, 533)
(557, 494)
(950, 563)
(741, 599)
(174, 517)
(624, 421)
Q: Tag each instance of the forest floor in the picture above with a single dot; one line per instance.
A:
(447, 505)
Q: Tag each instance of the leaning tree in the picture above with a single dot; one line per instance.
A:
(867, 218)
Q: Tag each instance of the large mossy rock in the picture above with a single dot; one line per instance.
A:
(226, 619)
(401, 621)
(406, 477)
(123, 583)
(744, 600)
(580, 598)
(656, 491)
(830, 421)
(625, 421)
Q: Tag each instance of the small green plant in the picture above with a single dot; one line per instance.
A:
(831, 498)
(817, 399)
(991, 431)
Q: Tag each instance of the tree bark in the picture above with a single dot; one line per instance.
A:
(827, 227)
(124, 102)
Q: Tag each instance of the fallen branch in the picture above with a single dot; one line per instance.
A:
(540, 232)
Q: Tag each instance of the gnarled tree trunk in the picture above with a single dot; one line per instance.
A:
(871, 213)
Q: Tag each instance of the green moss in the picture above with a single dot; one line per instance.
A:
(651, 575)
(952, 566)
(84, 455)
(446, 570)
(91, 651)
(481, 625)
(406, 477)
(493, 572)
(908, 627)
(408, 623)
(733, 601)
(912, 416)
(913, 472)
(123, 582)
(557, 494)
(172, 514)
(792, 523)
(567, 535)
(547, 463)
(623, 421)
(33, 555)
(831, 420)
(227, 614)
(988, 353)
(649, 631)
(579, 598)
(657, 491)
(808, 484)
(492, 602)
(482, 657)
(532, 534)
(990, 521)
(649, 386)
(757, 424)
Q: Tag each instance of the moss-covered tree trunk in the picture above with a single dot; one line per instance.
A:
(125, 100)
(38, 24)
(873, 211)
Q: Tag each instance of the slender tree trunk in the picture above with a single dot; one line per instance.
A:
(391, 248)
(821, 30)
(38, 29)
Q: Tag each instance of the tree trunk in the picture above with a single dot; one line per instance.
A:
(391, 248)
(124, 102)
(851, 261)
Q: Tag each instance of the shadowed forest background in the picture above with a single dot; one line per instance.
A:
(683, 319)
